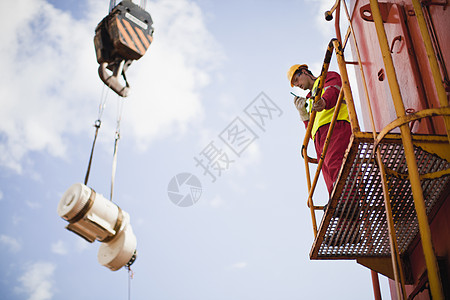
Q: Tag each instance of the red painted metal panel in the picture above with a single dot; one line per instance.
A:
(378, 88)
(410, 60)
(417, 89)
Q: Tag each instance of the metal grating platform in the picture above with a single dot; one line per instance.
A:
(354, 224)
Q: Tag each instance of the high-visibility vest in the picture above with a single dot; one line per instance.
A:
(324, 117)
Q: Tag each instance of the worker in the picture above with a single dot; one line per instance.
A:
(301, 76)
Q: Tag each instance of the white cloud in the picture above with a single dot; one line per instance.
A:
(44, 54)
(239, 265)
(59, 247)
(167, 81)
(1, 195)
(326, 28)
(251, 156)
(37, 281)
(217, 201)
(33, 205)
(10, 242)
(16, 220)
(140, 222)
(53, 90)
(81, 245)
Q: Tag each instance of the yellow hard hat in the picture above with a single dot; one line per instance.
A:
(292, 70)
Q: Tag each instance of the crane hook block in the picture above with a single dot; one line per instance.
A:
(123, 35)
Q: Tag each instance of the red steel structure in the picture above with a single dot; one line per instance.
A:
(390, 207)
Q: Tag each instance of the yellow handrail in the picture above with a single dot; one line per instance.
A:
(363, 77)
(345, 90)
(442, 95)
(346, 86)
(395, 255)
(416, 187)
(324, 151)
(396, 262)
(414, 177)
(307, 137)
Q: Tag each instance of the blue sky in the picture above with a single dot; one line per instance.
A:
(249, 234)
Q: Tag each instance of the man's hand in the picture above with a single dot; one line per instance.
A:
(319, 105)
(300, 104)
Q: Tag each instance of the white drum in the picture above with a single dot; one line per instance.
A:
(93, 217)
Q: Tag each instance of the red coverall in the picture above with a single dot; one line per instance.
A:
(341, 133)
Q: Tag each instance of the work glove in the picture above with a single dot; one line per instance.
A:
(300, 104)
(318, 105)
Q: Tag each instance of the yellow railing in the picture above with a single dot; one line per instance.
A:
(402, 123)
(345, 92)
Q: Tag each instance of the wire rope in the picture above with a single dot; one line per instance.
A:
(97, 125)
(116, 143)
(130, 277)
(112, 4)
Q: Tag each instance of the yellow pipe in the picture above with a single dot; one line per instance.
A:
(425, 113)
(323, 75)
(347, 35)
(307, 137)
(396, 262)
(310, 202)
(442, 95)
(435, 175)
(312, 160)
(327, 142)
(346, 87)
(337, 21)
(329, 13)
(363, 77)
(419, 203)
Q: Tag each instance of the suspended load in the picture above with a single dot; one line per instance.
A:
(121, 37)
(93, 217)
